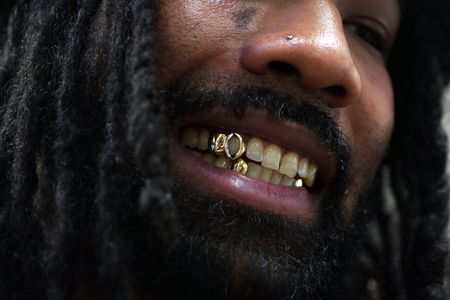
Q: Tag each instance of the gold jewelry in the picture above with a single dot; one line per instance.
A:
(298, 183)
(234, 146)
(217, 143)
(240, 166)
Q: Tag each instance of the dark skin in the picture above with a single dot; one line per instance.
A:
(326, 57)
(334, 50)
(244, 17)
(90, 205)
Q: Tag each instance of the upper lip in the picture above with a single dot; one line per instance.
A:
(292, 136)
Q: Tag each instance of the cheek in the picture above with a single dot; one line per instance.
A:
(368, 125)
(370, 119)
(189, 35)
(373, 119)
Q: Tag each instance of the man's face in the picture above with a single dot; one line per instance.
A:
(304, 83)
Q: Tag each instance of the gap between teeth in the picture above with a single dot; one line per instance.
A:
(267, 163)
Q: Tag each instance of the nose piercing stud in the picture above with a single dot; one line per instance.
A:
(289, 37)
(234, 146)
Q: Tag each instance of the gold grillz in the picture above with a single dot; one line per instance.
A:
(250, 157)
(232, 145)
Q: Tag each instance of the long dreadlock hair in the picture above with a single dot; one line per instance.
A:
(84, 168)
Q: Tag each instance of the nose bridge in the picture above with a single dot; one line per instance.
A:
(308, 36)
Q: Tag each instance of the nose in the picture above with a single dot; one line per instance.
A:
(306, 40)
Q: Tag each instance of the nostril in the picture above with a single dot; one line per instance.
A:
(336, 90)
(282, 68)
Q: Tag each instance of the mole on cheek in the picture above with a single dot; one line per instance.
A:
(243, 17)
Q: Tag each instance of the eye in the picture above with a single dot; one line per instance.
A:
(370, 32)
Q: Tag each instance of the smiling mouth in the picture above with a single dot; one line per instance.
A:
(269, 165)
(251, 157)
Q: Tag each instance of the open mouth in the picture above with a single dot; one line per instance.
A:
(250, 156)
(266, 164)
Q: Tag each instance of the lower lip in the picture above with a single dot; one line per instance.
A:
(291, 202)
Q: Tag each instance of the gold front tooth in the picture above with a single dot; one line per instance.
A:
(299, 183)
(217, 143)
(240, 166)
(234, 146)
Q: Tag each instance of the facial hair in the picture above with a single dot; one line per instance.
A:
(229, 251)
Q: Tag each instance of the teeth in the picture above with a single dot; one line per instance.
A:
(311, 178)
(241, 166)
(272, 156)
(223, 162)
(275, 167)
(254, 170)
(287, 181)
(303, 166)
(255, 150)
(190, 138)
(217, 143)
(203, 139)
(298, 183)
(234, 146)
(289, 164)
(195, 153)
(266, 174)
(276, 177)
(209, 158)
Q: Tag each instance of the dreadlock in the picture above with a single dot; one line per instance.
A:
(64, 157)
(84, 168)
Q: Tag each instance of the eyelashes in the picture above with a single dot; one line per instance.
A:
(369, 31)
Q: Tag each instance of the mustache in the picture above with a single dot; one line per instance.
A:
(187, 99)
(212, 228)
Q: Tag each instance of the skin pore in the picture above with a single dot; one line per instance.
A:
(329, 54)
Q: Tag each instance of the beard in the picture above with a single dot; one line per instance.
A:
(226, 250)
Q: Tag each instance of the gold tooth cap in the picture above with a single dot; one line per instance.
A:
(217, 142)
(234, 146)
(240, 166)
(299, 183)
